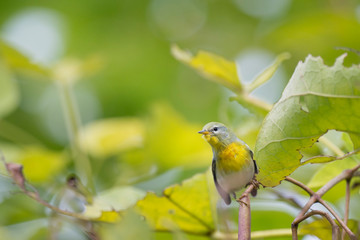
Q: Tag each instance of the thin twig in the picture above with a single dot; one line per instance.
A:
(73, 125)
(316, 197)
(291, 200)
(334, 226)
(347, 205)
(300, 184)
(282, 232)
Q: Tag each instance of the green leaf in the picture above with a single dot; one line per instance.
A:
(329, 171)
(9, 92)
(268, 72)
(212, 67)
(186, 207)
(316, 99)
(131, 226)
(322, 229)
(17, 61)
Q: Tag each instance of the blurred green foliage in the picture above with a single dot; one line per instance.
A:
(141, 109)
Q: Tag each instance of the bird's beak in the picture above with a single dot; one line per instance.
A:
(204, 132)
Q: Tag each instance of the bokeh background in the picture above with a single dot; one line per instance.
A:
(140, 107)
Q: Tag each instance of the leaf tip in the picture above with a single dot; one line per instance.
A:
(179, 54)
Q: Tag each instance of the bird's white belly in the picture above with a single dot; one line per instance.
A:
(236, 180)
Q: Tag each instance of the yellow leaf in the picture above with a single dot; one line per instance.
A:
(111, 136)
(211, 66)
(107, 205)
(41, 165)
(186, 207)
(17, 61)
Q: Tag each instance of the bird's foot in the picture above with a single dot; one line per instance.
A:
(255, 183)
(240, 201)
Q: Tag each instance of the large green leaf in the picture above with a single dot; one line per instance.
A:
(186, 207)
(316, 99)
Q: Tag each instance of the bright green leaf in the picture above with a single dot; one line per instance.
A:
(211, 66)
(112, 136)
(186, 207)
(331, 170)
(9, 92)
(355, 140)
(316, 99)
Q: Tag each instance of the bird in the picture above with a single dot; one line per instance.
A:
(233, 165)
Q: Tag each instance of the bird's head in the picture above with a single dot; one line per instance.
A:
(217, 134)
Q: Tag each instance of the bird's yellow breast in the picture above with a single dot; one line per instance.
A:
(233, 158)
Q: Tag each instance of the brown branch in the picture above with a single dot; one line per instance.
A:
(291, 200)
(245, 214)
(347, 205)
(16, 173)
(334, 226)
(316, 197)
(300, 184)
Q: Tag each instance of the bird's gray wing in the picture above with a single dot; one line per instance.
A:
(255, 165)
(224, 195)
(256, 170)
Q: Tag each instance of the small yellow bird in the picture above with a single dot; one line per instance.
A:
(233, 166)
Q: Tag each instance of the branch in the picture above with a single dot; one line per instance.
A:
(347, 205)
(73, 125)
(300, 184)
(316, 197)
(273, 233)
(16, 173)
(290, 199)
(245, 214)
(334, 226)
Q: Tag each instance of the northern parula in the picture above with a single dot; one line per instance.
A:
(233, 166)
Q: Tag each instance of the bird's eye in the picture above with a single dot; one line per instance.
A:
(215, 129)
